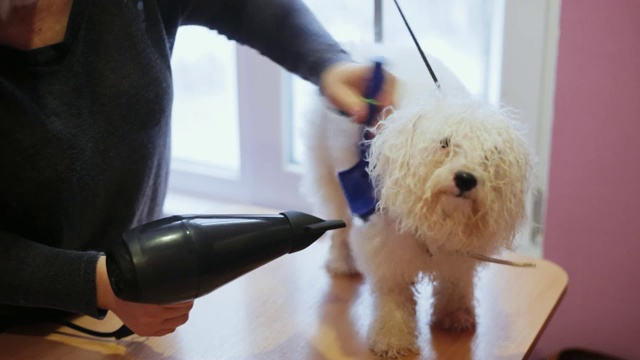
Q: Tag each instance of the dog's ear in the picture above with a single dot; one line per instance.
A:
(515, 166)
(398, 166)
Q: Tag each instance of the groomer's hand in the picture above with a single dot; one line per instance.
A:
(142, 319)
(344, 85)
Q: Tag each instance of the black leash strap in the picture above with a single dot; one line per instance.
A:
(415, 41)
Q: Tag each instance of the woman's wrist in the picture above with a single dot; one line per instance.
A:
(104, 294)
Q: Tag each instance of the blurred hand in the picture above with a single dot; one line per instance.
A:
(142, 319)
(344, 84)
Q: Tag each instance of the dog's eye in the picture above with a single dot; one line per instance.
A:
(492, 156)
(444, 143)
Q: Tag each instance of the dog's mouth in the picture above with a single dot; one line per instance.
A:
(463, 195)
(455, 201)
(453, 192)
(454, 196)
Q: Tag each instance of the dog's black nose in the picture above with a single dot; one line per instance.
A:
(465, 181)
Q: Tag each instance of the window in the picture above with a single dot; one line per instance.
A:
(205, 111)
(235, 137)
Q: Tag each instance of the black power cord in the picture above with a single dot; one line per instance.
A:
(121, 333)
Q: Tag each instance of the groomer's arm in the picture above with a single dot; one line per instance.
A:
(36, 275)
(288, 33)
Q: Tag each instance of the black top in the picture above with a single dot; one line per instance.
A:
(85, 130)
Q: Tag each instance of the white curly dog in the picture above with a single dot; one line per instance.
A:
(451, 175)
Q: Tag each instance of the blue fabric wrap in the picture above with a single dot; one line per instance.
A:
(355, 181)
(358, 188)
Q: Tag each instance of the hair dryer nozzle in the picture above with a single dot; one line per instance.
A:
(325, 226)
(307, 228)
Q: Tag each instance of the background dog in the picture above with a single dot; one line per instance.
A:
(451, 175)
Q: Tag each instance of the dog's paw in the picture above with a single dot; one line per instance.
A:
(393, 336)
(463, 319)
(342, 266)
(392, 347)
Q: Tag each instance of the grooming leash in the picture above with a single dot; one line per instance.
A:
(481, 257)
(490, 259)
(415, 41)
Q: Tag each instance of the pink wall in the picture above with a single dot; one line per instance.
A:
(593, 216)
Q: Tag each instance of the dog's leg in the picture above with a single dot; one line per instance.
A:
(393, 331)
(340, 260)
(328, 141)
(320, 183)
(453, 293)
(391, 263)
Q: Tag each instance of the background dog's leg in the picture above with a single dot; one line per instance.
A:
(340, 260)
(453, 293)
(320, 185)
(393, 331)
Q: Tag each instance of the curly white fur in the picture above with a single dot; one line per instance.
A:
(417, 152)
(424, 221)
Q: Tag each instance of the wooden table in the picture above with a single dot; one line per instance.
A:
(292, 309)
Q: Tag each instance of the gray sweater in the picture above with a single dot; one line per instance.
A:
(85, 130)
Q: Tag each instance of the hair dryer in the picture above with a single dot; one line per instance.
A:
(181, 258)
